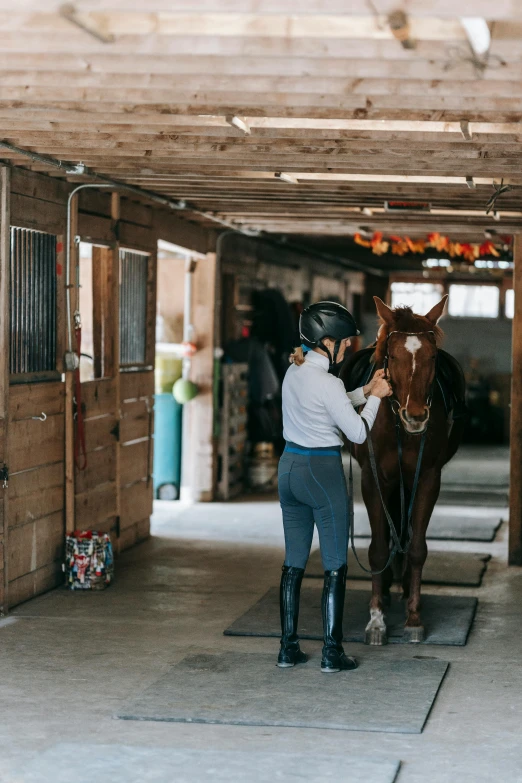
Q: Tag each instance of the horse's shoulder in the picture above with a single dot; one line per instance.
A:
(358, 369)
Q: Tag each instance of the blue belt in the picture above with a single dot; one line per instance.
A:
(332, 451)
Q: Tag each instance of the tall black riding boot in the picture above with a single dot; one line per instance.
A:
(334, 659)
(290, 654)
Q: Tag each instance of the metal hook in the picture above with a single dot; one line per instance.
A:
(43, 417)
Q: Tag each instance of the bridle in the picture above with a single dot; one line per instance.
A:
(406, 513)
(393, 400)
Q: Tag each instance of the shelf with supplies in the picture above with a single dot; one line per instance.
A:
(233, 429)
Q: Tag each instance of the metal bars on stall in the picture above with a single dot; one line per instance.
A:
(33, 302)
(133, 307)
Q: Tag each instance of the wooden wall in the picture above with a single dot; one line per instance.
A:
(136, 428)
(5, 208)
(96, 497)
(47, 496)
(36, 488)
(247, 264)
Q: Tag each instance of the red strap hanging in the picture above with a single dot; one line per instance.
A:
(80, 449)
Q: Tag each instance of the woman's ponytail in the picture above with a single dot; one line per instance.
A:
(297, 357)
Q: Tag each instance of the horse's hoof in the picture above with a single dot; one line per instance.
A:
(375, 637)
(414, 634)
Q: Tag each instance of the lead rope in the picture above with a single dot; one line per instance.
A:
(80, 448)
(351, 523)
(405, 518)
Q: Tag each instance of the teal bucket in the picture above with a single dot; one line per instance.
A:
(167, 447)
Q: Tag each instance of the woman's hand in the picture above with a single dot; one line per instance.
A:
(368, 389)
(381, 388)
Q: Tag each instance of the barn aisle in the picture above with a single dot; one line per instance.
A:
(81, 657)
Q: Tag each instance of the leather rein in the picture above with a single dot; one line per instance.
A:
(406, 513)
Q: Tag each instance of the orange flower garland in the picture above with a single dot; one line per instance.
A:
(400, 246)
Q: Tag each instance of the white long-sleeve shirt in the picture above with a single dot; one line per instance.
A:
(316, 406)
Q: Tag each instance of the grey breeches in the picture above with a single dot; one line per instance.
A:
(312, 489)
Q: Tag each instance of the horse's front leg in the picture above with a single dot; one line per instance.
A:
(378, 554)
(427, 494)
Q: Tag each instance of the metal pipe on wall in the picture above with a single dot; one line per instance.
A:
(70, 356)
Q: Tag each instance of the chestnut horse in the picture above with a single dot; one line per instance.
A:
(421, 422)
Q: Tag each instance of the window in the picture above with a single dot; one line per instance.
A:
(421, 297)
(86, 310)
(134, 268)
(95, 311)
(474, 301)
(32, 301)
(509, 305)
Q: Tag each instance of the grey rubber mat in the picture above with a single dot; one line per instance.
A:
(464, 569)
(447, 523)
(86, 763)
(459, 494)
(248, 689)
(447, 619)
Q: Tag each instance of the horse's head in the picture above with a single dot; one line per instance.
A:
(407, 347)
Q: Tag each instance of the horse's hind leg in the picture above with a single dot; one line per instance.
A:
(427, 495)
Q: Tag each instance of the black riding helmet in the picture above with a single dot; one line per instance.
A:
(326, 319)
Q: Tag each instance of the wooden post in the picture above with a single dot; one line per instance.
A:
(515, 483)
(5, 309)
(197, 480)
(69, 380)
(113, 323)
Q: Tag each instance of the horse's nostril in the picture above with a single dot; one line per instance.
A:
(422, 419)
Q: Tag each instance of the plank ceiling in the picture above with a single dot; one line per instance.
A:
(141, 92)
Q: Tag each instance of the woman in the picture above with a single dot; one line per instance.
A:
(312, 486)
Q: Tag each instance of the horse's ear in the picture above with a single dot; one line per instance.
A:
(385, 313)
(436, 312)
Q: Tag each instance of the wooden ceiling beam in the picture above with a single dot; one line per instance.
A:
(503, 9)
(35, 120)
(317, 26)
(379, 165)
(349, 106)
(296, 90)
(136, 144)
(100, 102)
(506, 44)
(127, 67)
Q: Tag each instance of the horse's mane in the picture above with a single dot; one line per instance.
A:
(404, 320)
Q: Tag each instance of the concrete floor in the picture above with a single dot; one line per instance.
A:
(69, 660)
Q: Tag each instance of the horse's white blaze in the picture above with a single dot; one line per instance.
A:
(376, 621)
(412, 345)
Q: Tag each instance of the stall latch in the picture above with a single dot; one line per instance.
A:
(4, 476)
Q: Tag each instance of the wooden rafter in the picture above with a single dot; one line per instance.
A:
(329, 97)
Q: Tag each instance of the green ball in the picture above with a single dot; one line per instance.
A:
(184, 391)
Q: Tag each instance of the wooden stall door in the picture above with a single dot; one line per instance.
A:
(136, 431)
(36, 451)
(137, 427)
(96, 496)
(36, 488)
(96, 490)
